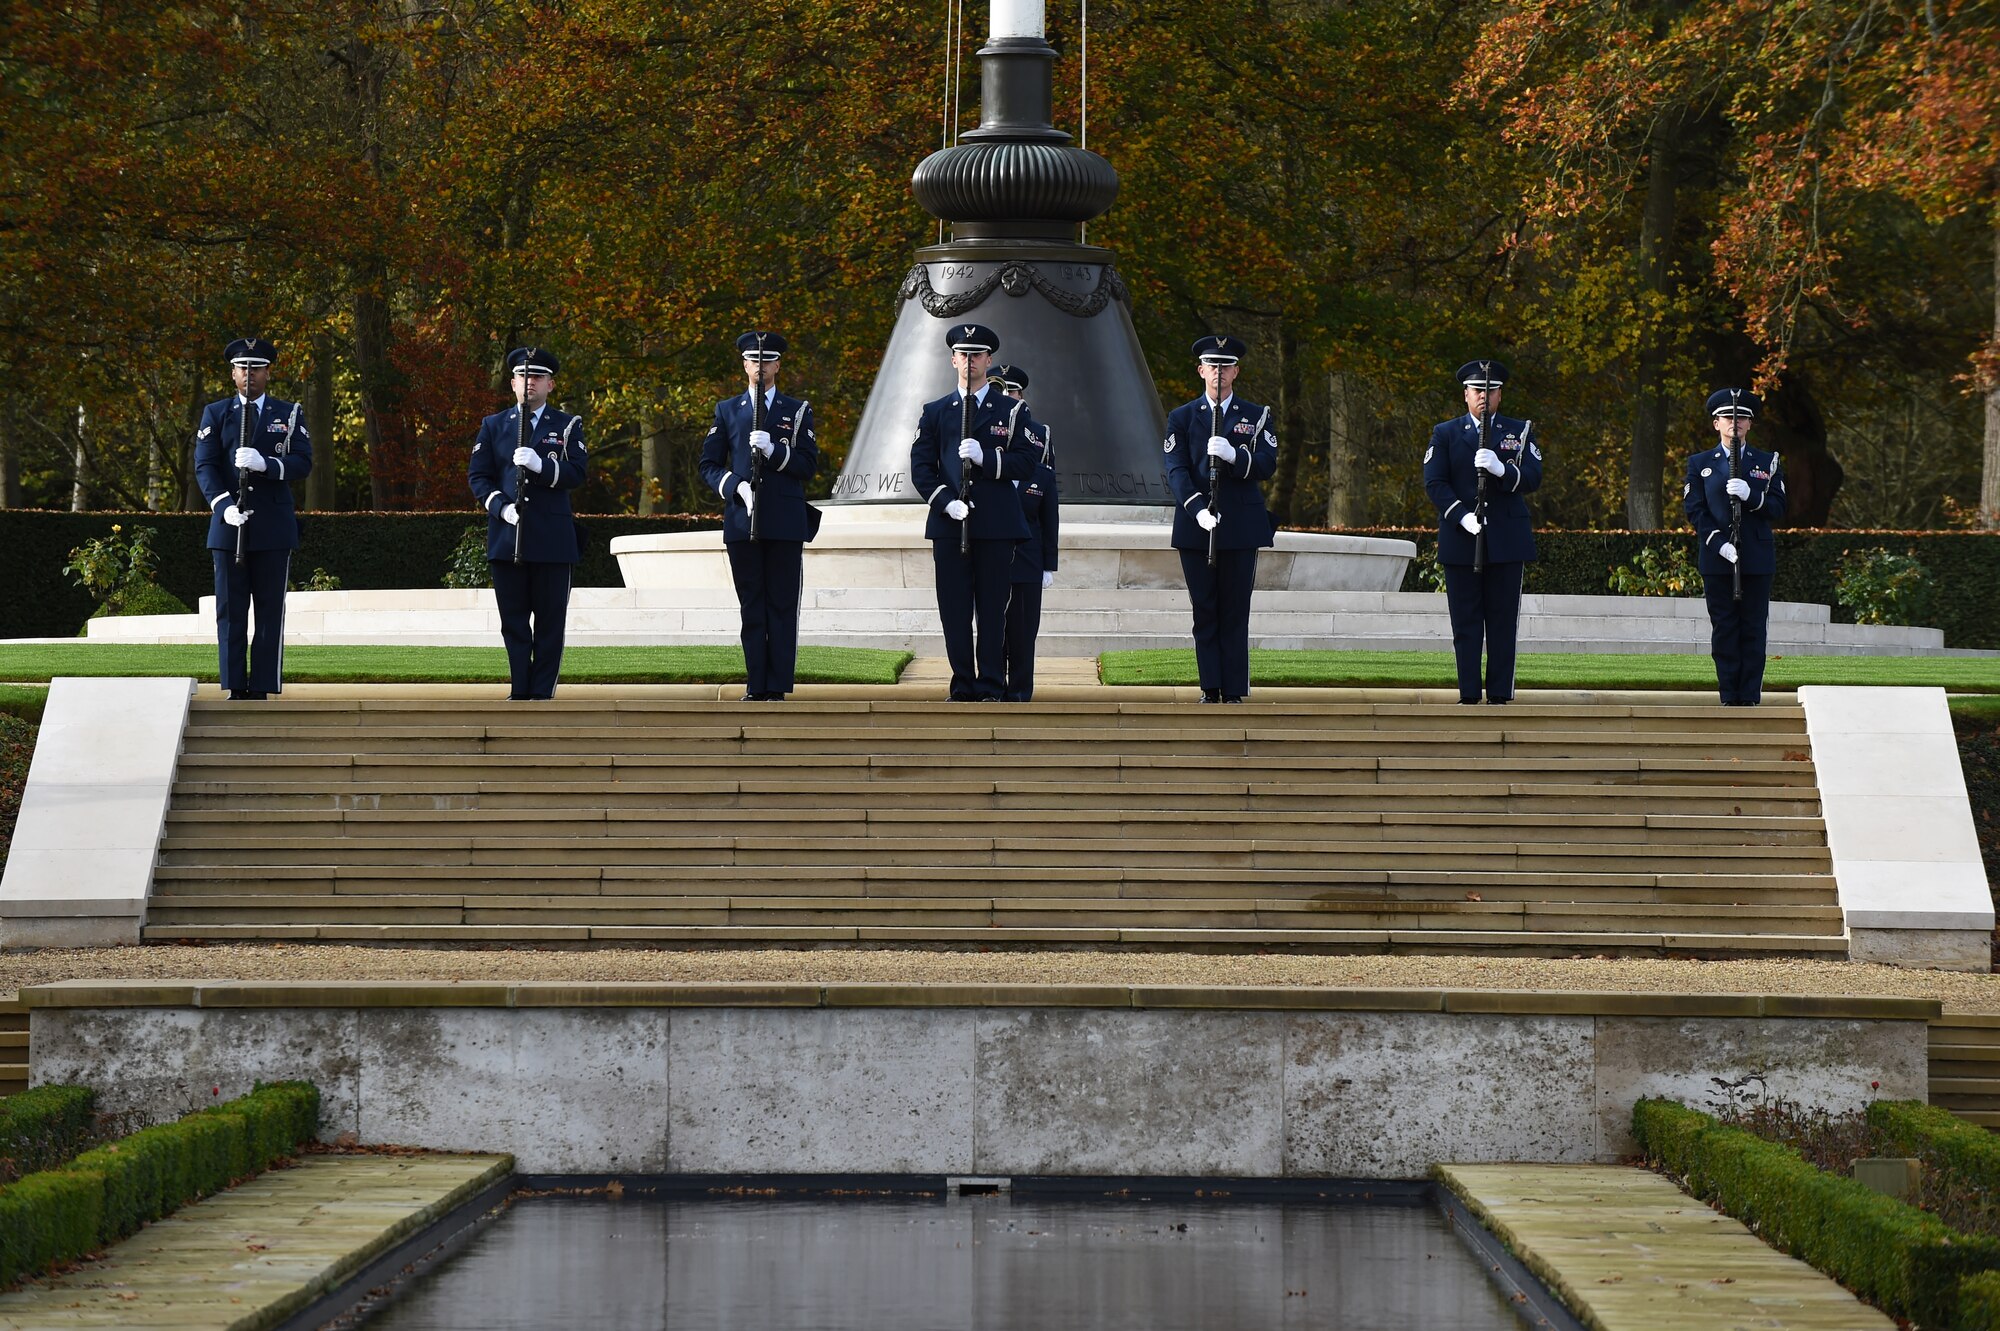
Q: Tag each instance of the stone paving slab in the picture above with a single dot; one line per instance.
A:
(250, 1257)
(1626, 1250)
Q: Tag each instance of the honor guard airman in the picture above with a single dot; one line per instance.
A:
(972, 445)
(1476, 470)
(249, 449)
(758, 455)
(525, 462)
(1034, 569)
(1733, 494)
(1219, 449)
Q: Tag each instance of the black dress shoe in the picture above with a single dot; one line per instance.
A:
(1211, 695)
(1468, 702)
(1499, 702)
(1234, 697)
(247, 695)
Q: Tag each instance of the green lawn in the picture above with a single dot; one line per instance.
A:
(30, 662)
(1578, 670)
(23, 700)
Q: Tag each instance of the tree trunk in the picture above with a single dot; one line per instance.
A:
(1643, 511)
(649, 457)
(1291, 427)
(1346, 452)
(1793, 423)
(79, 490)
(10, 466)
(154, 481)
(323, 482)
(378, 392)
(190, 483)
(1989, 478)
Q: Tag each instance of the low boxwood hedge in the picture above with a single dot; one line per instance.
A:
(1979, 1302)
(41, 1128)
(105, 1194)
(1942, 1141)
(1903, 1260)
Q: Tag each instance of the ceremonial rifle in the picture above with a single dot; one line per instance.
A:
(521, 472)
(1479, 500)
(964, 476)
(1214, 470)
(242, 478)
(1735, 513)
(756, 424)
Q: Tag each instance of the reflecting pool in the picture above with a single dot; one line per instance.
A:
(978, 1262)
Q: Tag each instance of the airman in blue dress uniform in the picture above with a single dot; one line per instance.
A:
(1034, 567)
(764, 469)
(988, 446)
(265, 441)
(1485, 602)
(524, 488)
(1239, 437)
(1736, 627)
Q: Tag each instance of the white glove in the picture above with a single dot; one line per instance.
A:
(1738, 488)
(1728, 552)
(746, 494)
(234, 516)
(1209, 519)
(760, 441)
(529, 458)
(249, 459)
(1489, 460)
(957, 509)
(1221, 449)
(510, 515)
(1048, 581)
(970, 451)
(1470, 522)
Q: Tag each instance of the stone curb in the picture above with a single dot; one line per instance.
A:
(220, 994)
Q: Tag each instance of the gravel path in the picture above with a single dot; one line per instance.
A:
(1959, 992)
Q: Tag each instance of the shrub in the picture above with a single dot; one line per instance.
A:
(1652, 573)
(468, 565)
(1979, 1303)
(104, 564)
(1942, 1141)
(1878, 587)
(1899, 1258)
(103, 1195)
(320, 581)
(142, 598)
(41, 1128)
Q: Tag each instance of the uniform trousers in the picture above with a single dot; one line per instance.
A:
(1737, 635)
(1485, 612)
(972, 593)
(1220, 597)
(534, 608)
(767, 576)
(1024, 621)
(259, 586)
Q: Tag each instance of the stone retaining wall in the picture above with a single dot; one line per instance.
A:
(699, 1079)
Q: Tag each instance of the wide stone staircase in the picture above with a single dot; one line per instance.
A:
(1655, 824)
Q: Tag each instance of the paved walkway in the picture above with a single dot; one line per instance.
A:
(1628, 1251)
(250, 1257)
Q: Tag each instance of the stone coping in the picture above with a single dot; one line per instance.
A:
(217, 994)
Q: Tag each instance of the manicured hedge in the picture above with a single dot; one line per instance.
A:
(1964, 568)
(1904, 1260)
(41, 1128)
(1979, 1303)
(363, 550)
(103, 1195)
(1942, 1141)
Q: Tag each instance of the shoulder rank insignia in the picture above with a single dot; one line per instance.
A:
(1535, 450)
(1428, 451)
(1171, 441)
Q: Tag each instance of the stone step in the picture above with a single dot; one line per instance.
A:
(1360, 941)
(1301, 797)
(1470, 854)
(1058, 912)
(1149, 825)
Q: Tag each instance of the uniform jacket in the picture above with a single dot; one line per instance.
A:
(1705, 497)
(1246, 523)
(1041, 509)
(1009, 435)
(273, 525)
(548, 529)
(726, 461)
(1452, 482)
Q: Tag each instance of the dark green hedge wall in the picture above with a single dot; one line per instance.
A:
(1964, 568)
(363, 550)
